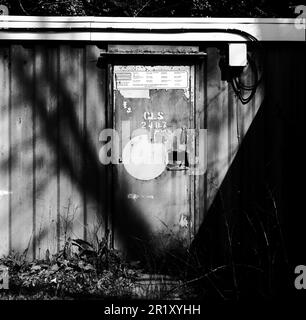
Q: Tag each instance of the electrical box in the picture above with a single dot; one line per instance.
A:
(237, 54)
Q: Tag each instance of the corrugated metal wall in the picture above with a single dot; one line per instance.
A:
(257, 216)
(52, 109)
(227, 121)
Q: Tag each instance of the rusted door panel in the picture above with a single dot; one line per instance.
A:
(157, 100)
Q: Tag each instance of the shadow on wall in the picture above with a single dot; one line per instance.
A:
(239, 246)
(254, 223)
(56, 176)
(252, 237)
(55, 121)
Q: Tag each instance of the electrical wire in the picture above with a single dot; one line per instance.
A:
(241, 33)
(240, 88)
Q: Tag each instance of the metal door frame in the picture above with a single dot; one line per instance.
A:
(198, 63)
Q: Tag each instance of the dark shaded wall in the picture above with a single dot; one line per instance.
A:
(254, 233)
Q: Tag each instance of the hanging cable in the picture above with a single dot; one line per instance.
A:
(240, 88)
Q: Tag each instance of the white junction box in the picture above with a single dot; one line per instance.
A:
(237, 54)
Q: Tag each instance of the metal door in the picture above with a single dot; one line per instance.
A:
(153, 110)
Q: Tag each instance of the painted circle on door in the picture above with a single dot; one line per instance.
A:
(144, 160)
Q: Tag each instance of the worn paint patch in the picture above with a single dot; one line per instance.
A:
(187, 93)
(183, 223)
(135, 196)
(135, 94)
(4, 193)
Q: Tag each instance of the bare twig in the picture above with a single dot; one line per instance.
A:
(22, 8)
(231, 255)
(139, 10)
(211, 272)
(278, 224)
